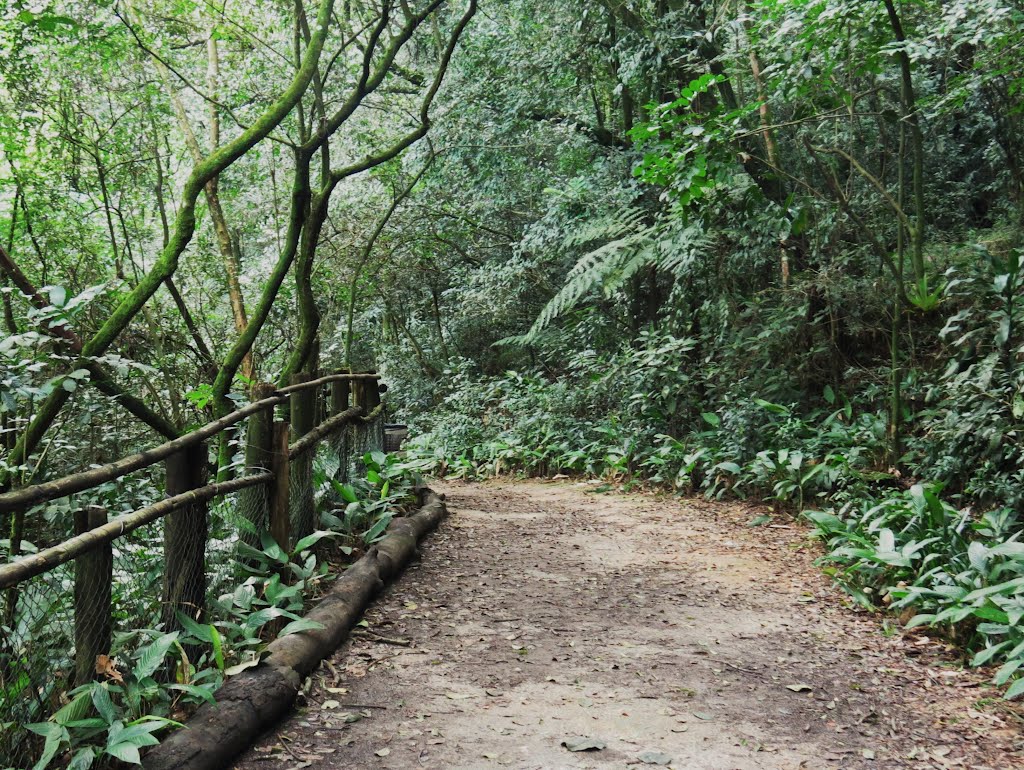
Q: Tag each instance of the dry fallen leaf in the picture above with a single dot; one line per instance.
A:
(655, 758)
(105, 667)
(583, 743)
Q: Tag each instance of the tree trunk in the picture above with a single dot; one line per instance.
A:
(94, 575)
(911, 117)
(185, 536)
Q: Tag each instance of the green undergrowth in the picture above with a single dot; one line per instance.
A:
(153, 679)
(928, 551)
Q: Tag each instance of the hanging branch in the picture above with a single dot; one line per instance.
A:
(307, 306)
(844, 203)
(184, 228)
(367, 250)
(102, 379)
(225, 243)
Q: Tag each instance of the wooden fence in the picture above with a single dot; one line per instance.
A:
(274, 493)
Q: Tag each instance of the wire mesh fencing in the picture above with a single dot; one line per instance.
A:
(57, 627)
(87, 618)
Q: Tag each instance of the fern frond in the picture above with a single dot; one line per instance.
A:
(609, 227)
(633, 242)
(583, 279)
(515, 341)
(677, 252)
(617, 279)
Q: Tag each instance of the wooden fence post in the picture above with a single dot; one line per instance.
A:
(339, 396)
(94, 574)
(302, 405)
(185, 535)
(359, 393)
(340, 392)
(375, 429)
(358, 430)
(253, 502)
(278, 494)
(372, 395)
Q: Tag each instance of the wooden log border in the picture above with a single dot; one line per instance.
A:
(259, 697)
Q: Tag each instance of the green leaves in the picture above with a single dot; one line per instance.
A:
(310, 540)
(302, 624)
(48, 22)
(58, 295)
(686, 150)
(55, 736)
(152, 656)
(1015, 690)
(104, 705)
(923, 298)
(375, 532)
(915, 548)
(124, 742)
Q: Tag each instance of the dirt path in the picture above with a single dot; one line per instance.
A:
(668, 631)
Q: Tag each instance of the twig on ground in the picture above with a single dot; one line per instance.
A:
(288, 748)
(383, 639)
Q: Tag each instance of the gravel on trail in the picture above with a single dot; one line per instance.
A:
(551, 626)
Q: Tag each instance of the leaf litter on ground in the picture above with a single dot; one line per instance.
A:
(584, 743)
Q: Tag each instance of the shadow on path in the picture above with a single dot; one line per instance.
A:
(669, 632)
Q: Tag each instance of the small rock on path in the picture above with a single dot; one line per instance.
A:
(642, 631)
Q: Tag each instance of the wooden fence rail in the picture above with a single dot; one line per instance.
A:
(187, 493)
(277, 496)
(49, 558)
(79, 482)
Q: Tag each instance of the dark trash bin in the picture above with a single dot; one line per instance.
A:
(394, 435)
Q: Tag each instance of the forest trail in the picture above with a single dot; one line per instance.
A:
(670, 632)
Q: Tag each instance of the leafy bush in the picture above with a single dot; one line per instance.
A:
(118, 716)
(151, 678)
(976, 408)
(916, 552)
(647, 415)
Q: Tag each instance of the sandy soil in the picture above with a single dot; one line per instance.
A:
(665, 632)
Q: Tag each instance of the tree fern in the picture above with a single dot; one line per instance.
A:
(634, 243)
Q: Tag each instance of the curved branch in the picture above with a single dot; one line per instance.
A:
(184, 228)
(367, 250)
(99, 376)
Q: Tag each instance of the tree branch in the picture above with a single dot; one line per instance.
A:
(184, 228)
(99, 376)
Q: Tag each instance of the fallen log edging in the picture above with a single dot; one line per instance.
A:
(258, 697)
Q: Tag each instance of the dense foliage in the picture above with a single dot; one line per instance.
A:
(770, 250)
(767, 249)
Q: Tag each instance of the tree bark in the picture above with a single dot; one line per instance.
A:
(185, 535)
(94, 575)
